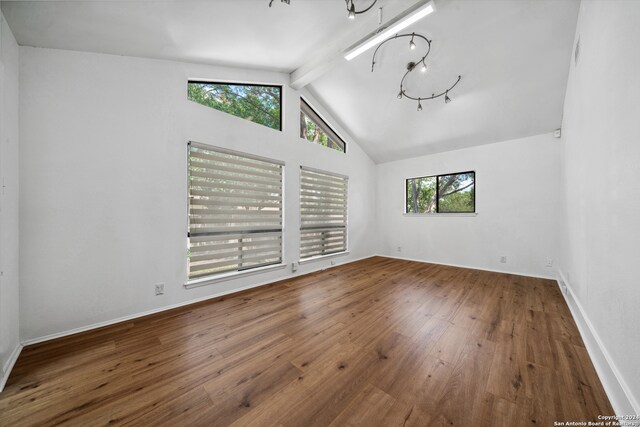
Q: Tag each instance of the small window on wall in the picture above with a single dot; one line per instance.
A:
(314, 129)
(257, 103)
(452, 193)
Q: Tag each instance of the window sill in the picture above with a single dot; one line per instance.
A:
(321, 257)
(442, 214)
(195, 283)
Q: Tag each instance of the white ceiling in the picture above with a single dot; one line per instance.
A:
(513, 56)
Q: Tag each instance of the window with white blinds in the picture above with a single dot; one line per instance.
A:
(323, 213)
(235, 211)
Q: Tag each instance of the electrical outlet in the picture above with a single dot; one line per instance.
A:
(160, 289)
(549, 262)
(503, 259)
(399, 249)
(294, 267)
(333, 262)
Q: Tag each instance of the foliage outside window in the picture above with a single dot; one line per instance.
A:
(256, 103)
(314, 129)
(452, 193)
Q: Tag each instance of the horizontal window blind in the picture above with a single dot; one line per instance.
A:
(235, 211)
(323, 213)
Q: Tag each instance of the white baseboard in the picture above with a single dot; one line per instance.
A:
(516, 273)
(8, 366)
(620, 396)
(170, 307)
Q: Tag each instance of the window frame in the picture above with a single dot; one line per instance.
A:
(217, 82)
(323, 123)
(437, 212)
(346, 220)
(192, 282)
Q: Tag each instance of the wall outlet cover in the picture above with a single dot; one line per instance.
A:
(160, 289)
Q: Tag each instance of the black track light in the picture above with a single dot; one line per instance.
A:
(419, 106)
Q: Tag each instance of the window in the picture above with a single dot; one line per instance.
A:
(235, 211)
(323, 213)
(314, 129)
(452, 193)
(257, 103)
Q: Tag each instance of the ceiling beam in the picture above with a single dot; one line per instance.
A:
(332, 53)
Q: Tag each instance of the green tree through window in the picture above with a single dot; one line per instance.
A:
(313, 128)
(258, 104)
(453, 193)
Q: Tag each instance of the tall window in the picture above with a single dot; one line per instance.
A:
(452, 193)
(323, 213)
(256, 103)
(314, 129)
(235, 211)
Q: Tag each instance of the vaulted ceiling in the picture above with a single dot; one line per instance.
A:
(513, 56)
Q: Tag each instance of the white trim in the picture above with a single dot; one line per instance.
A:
(196, 283)
(617, 390)
(470, 267)
(321, 257)
(170, 307)
(435, 215)
(8, 366)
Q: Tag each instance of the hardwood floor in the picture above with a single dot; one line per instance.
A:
(377, 342)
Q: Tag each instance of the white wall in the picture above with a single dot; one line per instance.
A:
(9, 292)
(103, 183)
(516, 199)
(601, 190)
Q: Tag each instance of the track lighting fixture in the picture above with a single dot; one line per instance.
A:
(412, 45)
(351, 7)
(410, 16)
(411, 66)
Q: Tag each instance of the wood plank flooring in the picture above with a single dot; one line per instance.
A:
(377, 342)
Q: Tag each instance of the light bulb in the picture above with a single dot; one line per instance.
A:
(446, 98)
(412, 45)
(419, 106)
(352, 12)
(423, 68)
(400, 95)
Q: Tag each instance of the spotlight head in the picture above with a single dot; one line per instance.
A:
(400, 94)
(352, 12)
(412, 45)
(446, 98)
(419, 106)
(423, 68)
